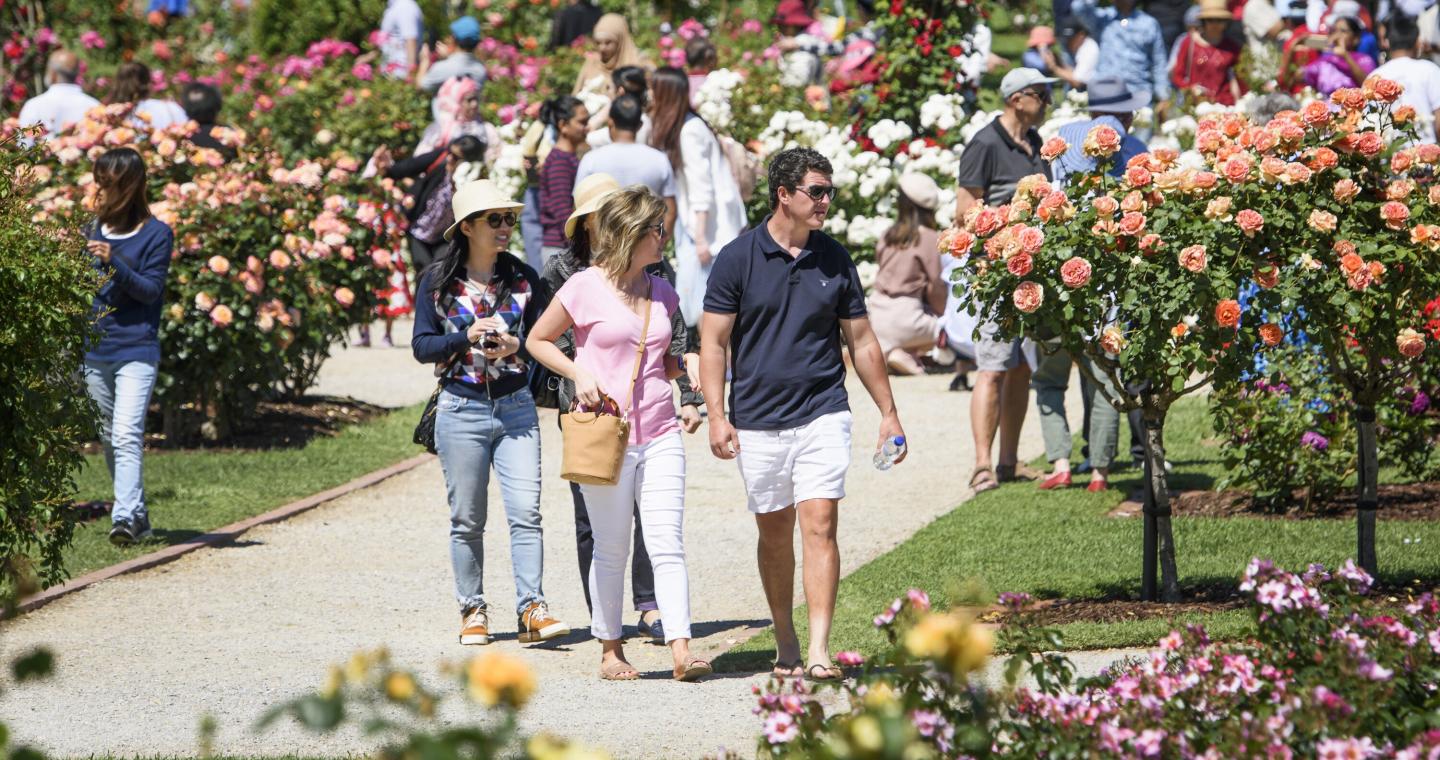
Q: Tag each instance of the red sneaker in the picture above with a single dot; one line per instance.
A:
(1058, 480)
(1097, 485)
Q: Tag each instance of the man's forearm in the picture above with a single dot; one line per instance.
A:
(712, 377)
(870, 366)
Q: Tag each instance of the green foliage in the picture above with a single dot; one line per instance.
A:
(47, 286)
(281, 26)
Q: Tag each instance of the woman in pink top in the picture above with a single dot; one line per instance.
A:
(613, 306)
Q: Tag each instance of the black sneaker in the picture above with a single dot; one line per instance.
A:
(126, 532)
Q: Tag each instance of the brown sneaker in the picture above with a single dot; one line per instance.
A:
(475, 627)
(537, 625)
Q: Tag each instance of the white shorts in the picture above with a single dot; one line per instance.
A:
(783, 467)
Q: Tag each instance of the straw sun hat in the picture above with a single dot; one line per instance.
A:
(589, 194)
(477, 197)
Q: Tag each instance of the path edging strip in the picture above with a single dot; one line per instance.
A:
(218, 536)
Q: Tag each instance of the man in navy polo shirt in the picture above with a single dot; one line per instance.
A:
(779, 298)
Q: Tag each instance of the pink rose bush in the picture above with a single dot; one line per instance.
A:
(1330, 672)
(272, 262)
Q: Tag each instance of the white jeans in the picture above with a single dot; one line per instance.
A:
(653, 476)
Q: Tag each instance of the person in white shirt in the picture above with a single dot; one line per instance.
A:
(63, 102)
(132, 85)
(711, 212)
(1429, 21)
(629, 161)
(1084, 50)
(403, 26)
(1419, 77)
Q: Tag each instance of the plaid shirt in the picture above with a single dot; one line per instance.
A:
(468, 302)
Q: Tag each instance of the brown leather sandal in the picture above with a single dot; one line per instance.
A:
(693, 670)
(818, 672)
(618, 670)
(983, 480)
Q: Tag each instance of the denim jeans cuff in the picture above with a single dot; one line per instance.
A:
(470, 603)
(527, 601)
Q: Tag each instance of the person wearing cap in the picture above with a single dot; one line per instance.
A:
(1204, 61)
(1083, 55)
(1113, 105)
(581, 229)
(1041, 39)
(618, 309)
(457, 53)
(1132, 45)
(997, 158)
(1419, 77)
(908, 297)
(476, 304)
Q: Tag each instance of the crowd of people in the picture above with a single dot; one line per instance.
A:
(773, 308)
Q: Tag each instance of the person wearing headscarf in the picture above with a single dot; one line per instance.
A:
(611, 47)
(457, 112)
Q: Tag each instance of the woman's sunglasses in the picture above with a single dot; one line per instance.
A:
(496, 220)
(818, 192)
(658, 228)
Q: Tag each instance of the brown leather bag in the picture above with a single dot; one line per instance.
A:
(595, 441)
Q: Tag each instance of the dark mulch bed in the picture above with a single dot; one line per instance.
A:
(1116, 610)
(1405, 501)
(275, 425)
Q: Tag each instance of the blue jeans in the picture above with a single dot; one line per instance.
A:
(122, 391)
(471, 435)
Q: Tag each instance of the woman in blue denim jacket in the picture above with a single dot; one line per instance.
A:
(475, 304)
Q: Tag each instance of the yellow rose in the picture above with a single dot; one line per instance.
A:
(929, 639)
(496, 679)
(399, 687)
(973, 647)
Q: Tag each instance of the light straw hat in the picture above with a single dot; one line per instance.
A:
(589, 194)
(476, 197)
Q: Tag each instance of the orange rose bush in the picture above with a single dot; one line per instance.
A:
(272, 263)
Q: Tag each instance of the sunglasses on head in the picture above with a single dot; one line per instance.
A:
(818, 192)
(496, 219)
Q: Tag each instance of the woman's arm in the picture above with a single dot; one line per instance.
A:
(429, 342)
(413, 166)
(146, 282)
(696, 144)
(541, 345)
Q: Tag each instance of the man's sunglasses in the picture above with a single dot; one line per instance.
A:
(496, 220)
(1041, 95)
(818, 192)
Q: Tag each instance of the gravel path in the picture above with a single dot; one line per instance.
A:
(230, 631)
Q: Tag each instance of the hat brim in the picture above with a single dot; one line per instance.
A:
(1031, 83)
(589, 207)
(1215, 15)
(450, 231)
(1129, 105)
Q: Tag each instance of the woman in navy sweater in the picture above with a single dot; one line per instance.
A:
(132, 250)
(475, 305)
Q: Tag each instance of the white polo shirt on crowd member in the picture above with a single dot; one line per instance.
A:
(58, 107)
(1087, 58)
(162, 113)
(631, 164)
(403, 20)
(1421, 80)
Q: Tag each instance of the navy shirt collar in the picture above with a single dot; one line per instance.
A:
(769, 245)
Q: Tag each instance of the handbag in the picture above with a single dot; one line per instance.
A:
(595, 441)
(425, 428)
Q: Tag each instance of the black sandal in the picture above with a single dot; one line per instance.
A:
(792, 669)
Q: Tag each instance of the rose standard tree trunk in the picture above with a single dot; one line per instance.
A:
(1136, 270)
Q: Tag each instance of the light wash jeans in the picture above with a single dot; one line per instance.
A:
(1102, 423)
(122, 391)
(691, 278)
(653, 476)
(470, 435)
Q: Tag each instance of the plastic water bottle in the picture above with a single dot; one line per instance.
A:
(890, 451)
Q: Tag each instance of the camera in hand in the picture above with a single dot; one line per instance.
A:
(490, 340)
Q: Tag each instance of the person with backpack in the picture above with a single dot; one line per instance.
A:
(711, 209)
(582, 229)
(476, 304)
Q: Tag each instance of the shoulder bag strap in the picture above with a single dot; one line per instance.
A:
(639, 354)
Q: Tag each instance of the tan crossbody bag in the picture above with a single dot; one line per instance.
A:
(595, 441)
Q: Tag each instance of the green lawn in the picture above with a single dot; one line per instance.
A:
(1062, 545)
(192, 492)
